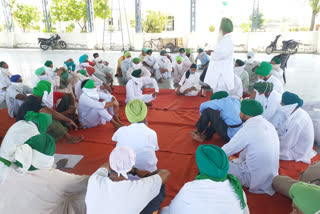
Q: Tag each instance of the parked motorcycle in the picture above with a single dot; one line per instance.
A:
(53, 41)
(290, 46)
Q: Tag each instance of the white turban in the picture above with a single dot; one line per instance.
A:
(122, 159)
(251, 54)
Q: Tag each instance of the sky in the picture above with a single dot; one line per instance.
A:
(298, 10)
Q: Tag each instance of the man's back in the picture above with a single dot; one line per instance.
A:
(31, 103)
(143, 141)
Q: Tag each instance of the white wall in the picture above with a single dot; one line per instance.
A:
(255, 41)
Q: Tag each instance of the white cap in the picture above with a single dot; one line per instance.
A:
(122, 159)
(251, 54)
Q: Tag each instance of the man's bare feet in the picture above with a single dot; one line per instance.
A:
(198, 137)
(73, 139)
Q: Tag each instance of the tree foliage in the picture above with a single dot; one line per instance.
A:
(76, 11)
(315, 5)
(27, 16)
(261, 20)
(155, 22)
(246, 26)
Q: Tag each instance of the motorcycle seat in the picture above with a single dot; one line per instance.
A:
(43, 38)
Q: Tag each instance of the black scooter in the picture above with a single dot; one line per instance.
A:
(52, 41)
(290, 46)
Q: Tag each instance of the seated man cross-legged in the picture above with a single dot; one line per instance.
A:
(220, 115)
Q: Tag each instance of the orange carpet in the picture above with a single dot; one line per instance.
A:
(172, 117)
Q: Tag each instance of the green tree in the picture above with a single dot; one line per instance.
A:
(155, 22)
(315, 5)
(100, 8)
(261, 20)
(246, 26)
(27, 16)
(70, 28)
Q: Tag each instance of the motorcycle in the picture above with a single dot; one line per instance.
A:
(289, 46)
(52, 41)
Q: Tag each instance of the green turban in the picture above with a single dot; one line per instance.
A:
(83, 72)
(41, 87)
(200, 50)
(42, 120)
(179, 59)
(65, 75)
(264, 69)
(306, 197)
(124, 53)
(251, 108)
(240, 62)
(136, 111)
(291, 98)
(182, 49)
(149, 51)
(163, 52)
(136, 73)
(263, 87)
(89, 84)
(188, 50)
(127, 54)
(226, 25)
(213, 164)
(48, 63)
(219, 95)
(38, 153)
(145, 49)
(276, 60)
(40, 71)
(136, 60)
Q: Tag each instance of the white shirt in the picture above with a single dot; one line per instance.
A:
(135, 85)
(150, 60)
(259, 145)
(143, 141)
(272, 105)
(144, 72)
(123, 197)
(220, 71)
(13, 103)
(192, 81)
(206, 197)
(163, 62)
(237, 91)
(297, 143)
(277, 85)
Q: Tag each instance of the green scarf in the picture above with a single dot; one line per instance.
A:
(233, 180)
(5, 162)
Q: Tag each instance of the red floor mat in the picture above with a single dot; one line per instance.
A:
(173, 118)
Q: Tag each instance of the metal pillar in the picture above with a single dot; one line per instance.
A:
(192, 15)
(46, 14)
(90, 15)
(7, 13)
(255, 16)
(138, 16)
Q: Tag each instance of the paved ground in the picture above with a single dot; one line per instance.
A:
(303, 72)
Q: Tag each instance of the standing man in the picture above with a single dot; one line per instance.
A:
(16, 94)
(219, 75)
(203, 57)
(163, 67)
(258, 144)
(250, 67)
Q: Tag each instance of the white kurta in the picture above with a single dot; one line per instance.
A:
(92, 112)
(178, 73)
(192, 81)
(123, 197)
(125, 65)
(13, 103)
(278, 72)
(297, 143)
(244, 76)
(4, 83)
(42, 191)
(143, 141)
(277, 85)
(163, 62)
(50, 72)
(237, 91)
(272, 106)
(220, 71)
(144, 72)
(134, 89)
(150, 60)
(206, 197)
(258, 163)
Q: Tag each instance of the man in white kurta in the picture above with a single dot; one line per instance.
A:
(264, 74)
(205, 195)
(50, 71)
(237, 91)
(269, 99)
(276, 69)
(179, 69)
(219, 75)
(258, 144)
(295, 130)
(125, 65)
(163, 67)
(136, 84)
(4, 81)
(243, 74)
(110, 191)
(45, 189)
(96, 107)
(189, 84)
(149, 61)
(16, 94)
(136, 65)
(139, 136)
(250, 66)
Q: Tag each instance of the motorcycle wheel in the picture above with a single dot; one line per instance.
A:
(62, 44)
(269, 50)
(44, 46)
